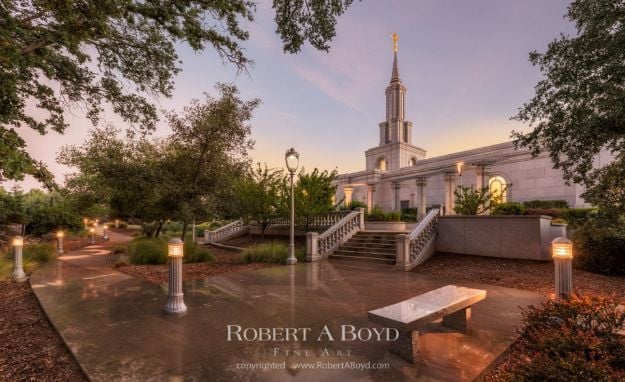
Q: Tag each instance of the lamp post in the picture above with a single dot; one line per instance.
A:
(292, 161)
(59, 241)
(18, 269)
(92, 232)
(563, 259)
(175, 297)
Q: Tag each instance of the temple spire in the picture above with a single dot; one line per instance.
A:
(395, 75)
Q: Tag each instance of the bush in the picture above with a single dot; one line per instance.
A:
(271, 253)
(145, 250)
(356, 204)
(509, 208)
(572, 339)
(379, 215)
(556, 214)
(194, 253)
(409, 215)
(546, 204)
(599, 249)
(576, 217)
(40, 253)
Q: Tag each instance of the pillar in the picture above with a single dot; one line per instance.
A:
(421, 200)
(348, 195)
(370, 197)
(480, 175)
(396, 187)
(312, 247)
(450, 198)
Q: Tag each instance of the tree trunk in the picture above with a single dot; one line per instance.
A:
(158, 230)
(184, 230)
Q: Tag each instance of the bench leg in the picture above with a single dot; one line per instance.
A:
(460, 320)
(407, 346)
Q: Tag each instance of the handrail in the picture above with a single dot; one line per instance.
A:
(318, 245)
(224, 232)
(417, 246)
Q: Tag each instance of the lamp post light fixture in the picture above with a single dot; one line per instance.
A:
(459, 166)
(175, 297)
(563, 260)
(92, 232)
(18, 268)
(292, 161)
(59, 241)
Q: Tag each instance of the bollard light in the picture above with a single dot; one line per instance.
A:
(175, 297)
(104, 235)
(116, 223)
(562, 249)
(292, 161)
(59, 241)
(18, 273)
(85, 221)
(92, 232)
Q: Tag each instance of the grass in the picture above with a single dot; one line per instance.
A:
(143, 250)
(33, 256)
(271, 253)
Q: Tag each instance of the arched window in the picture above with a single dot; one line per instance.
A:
(381, 165)
(413, 161)
(498, 187)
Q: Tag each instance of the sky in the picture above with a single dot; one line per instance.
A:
(464, 63)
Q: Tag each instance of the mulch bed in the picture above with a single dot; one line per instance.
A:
(249, 240)
(225, 262)
(531, 275)
(30, 348)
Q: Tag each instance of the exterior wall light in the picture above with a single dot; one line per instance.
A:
(292, 162)
(18, 273)
(562, 249)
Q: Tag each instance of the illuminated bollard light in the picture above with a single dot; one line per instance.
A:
(59, 241)
(18, 270)
(563, 261)
(92, 232)
(104, 235)
(175, 297)
(116, 223)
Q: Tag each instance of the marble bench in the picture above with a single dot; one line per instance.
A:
(452, 303)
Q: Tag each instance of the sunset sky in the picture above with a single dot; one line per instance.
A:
(464, 63)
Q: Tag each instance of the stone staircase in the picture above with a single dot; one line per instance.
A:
(372, 247)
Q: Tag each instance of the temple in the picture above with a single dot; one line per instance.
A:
(399, 175)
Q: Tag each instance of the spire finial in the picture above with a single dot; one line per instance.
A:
(395, 39)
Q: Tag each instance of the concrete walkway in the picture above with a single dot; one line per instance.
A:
(113, 323)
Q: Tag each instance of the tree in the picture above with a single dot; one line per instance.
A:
(314, 194)
(260, 195)
(578, 109)
(471, 201)
(66, 54)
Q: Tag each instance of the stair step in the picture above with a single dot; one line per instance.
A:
(336, 256)
(352, 248)
(377, 255)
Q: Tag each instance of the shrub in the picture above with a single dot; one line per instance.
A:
(572, 339)
(546, 204)
(509, 208)
(144, 250)
(599, 249)
(576, 217)
(409, 214)
(40, 252)
(194, 253)
(379, 215)
(355, 204)
(556, 214)
(271, 253)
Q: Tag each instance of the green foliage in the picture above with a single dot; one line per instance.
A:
(260, 195)
(572, 339)
(194, 253)
(409, 214)
(600, 249)
(577, 110)
(354, 205)
(121, 53)
(471, 201)
(271, 253)
(377, 214)
(143, 250)
(40, 252)
(546, 204)
(314, 193)
(509, 208)
(576, 217)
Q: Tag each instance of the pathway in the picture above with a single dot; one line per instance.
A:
(113, 323)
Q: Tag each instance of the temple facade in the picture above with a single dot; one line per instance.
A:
(399, 175)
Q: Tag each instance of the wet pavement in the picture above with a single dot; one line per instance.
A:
(114, 325)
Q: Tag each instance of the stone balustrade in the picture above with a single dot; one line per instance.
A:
(417, 246)
(229, 230)
(321, 245)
